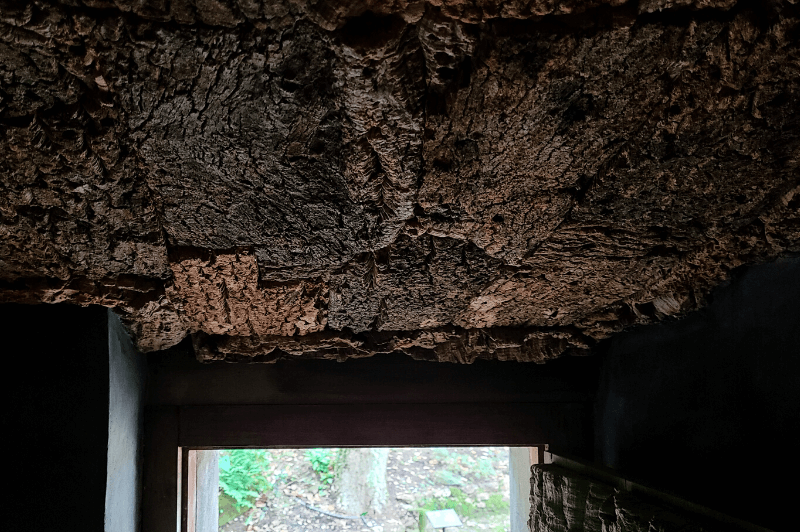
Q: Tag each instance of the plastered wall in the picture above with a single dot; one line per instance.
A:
(127, 371)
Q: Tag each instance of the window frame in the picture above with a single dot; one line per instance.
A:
(172, 433)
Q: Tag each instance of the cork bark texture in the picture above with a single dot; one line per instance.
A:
(450, 179)
(562, 500)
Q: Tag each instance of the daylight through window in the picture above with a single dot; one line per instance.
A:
(363, 489)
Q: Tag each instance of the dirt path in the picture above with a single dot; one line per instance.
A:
(471, 480)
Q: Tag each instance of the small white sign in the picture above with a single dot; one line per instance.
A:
(443, 519)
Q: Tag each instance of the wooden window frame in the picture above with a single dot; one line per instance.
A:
(172, 433)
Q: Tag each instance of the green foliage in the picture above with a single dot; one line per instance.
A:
(463, 507)
(464, 464)
(448, 478)
(441, 453)
(496, 504)
(484, 468)
(323, 461)
(280, 477)
(457, 501)
(227, 509)
(242, 475)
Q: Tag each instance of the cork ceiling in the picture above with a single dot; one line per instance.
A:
(451, 179)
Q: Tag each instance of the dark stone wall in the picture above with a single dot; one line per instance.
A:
(708, 407)
(55, 392)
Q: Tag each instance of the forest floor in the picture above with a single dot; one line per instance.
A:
(473, 481)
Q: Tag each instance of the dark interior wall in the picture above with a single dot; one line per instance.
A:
(706, 407)
(177, 378)
(387, 399)
(709, 407)
(55, 392)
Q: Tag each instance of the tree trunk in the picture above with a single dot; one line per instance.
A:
(361, 480)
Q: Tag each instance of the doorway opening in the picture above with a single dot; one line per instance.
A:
(377, 489)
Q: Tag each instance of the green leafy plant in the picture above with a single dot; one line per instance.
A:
(484, 468)
(448, 478)
(496, 505)
(463, 464)
(242, 475)
(323, 461)
(457, 501)
(441, 453)
(463, 507)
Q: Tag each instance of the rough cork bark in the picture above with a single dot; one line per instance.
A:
(562, 500)
(454, 180)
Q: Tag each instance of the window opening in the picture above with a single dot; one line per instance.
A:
(383, 489)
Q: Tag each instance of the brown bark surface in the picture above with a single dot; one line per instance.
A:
(450, 179)
(564, 500)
